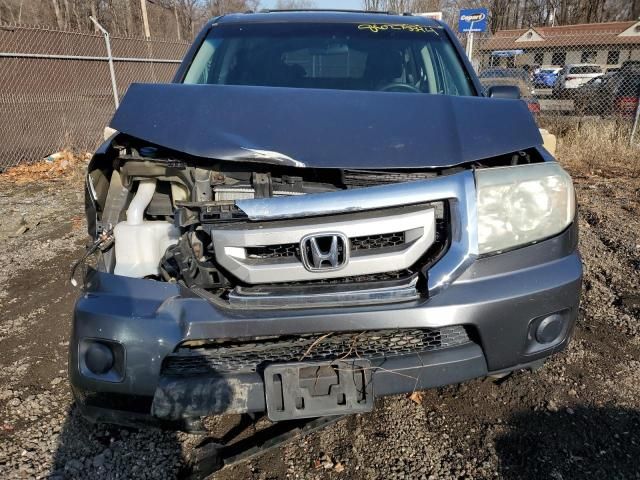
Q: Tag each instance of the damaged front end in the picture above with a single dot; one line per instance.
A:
(257, 215)
(240, 282)
(255, 236)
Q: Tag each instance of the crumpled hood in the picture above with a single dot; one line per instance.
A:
(325, 128)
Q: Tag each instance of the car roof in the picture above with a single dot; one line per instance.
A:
(325, 16)
(583, 65)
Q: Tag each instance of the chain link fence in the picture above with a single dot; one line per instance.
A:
(568, 75)
(57, 89)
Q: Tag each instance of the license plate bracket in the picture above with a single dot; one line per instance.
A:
(316, 389)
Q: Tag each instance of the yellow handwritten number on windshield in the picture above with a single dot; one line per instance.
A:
(377, 27)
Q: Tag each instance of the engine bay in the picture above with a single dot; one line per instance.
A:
(164, 210)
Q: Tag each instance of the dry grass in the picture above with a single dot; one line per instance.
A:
(67, 166)
(599, 147)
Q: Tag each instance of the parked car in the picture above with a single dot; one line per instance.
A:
(574, 76)
(615, 94)
(322, 208)
(584, 95)
(546, 77)
(515, 77)
(533, 104)
(508, 76)
(630, 65)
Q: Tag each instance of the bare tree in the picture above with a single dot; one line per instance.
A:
(423, 6)
(402, 6)
(508, 14)
(220, 7)
(57, 9)
(373, 5)
(174, 7)
(9, 12)
(182, 18)
(294, 4)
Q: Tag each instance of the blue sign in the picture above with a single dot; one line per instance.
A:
(473, 20)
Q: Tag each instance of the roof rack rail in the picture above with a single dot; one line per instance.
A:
(337, 10)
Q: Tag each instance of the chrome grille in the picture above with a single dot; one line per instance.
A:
(377, 241)
(254, 251)
(274, 251)
(251, 355)
(367, 242)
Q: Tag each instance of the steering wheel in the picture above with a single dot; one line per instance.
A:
(399, 87)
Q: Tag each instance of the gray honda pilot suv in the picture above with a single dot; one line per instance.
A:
(322, 208)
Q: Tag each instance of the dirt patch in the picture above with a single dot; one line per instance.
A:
(577, 417)
(62, 165)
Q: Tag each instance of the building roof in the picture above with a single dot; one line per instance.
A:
(611, 33)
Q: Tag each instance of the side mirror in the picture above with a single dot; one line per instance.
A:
(504, 91)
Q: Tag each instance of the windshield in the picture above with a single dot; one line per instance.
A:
(401, 58)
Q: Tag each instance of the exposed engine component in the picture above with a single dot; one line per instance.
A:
(262, 185)
(190, 261)
(177, 208)
(140, 244)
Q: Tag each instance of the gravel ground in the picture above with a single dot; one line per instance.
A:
(577, 417)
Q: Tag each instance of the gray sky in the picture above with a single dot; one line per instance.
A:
(343, 4)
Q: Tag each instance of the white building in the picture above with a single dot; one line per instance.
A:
(606, 44)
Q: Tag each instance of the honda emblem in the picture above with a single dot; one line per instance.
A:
(322, 252)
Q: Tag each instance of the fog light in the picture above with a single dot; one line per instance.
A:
(99, 358)
(549, 329)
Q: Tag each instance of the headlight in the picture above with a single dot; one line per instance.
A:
(522, 204)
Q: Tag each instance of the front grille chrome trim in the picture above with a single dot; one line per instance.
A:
(356, 200)
(231, 241)
(459, 189)
(244, 298)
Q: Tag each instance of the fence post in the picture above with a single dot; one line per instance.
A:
(470, 44)
(635, 120)
(112, 71)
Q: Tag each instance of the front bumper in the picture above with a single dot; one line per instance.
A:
(497, 298)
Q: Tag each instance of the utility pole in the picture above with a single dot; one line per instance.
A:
(175, 12)
(145, 18)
